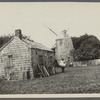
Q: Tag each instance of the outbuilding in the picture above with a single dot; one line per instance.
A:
(24, 59)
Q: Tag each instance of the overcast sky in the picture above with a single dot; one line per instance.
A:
(80, 18)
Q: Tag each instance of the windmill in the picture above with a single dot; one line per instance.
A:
(52, 31)
(64, 31)
(63, 46)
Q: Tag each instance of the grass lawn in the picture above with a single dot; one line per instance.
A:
(74, 80)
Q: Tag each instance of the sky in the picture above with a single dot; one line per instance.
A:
(80, 18)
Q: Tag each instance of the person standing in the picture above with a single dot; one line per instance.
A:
(62, 64)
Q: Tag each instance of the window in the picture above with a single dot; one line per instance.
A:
(40, 60)
(51, 60)
(1, 60)
(10, 60)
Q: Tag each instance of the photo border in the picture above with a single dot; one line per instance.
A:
(54, 96)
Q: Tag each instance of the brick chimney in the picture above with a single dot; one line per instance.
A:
(18, 33)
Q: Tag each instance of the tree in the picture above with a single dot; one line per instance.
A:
(87, 47)
(4, 39)
(27, 37)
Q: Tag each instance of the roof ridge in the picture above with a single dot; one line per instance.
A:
(30, 44)
(36, 45)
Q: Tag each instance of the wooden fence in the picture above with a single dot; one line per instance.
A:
(87, 63)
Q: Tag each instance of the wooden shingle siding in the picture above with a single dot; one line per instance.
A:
(21, 56)
(63, 48)
(46, 59)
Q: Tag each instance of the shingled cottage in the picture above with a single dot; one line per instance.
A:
(24, 59)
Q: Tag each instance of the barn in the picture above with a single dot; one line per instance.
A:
(22, 59)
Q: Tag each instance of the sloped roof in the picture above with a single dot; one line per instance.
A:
(36, 45)
(29, 44)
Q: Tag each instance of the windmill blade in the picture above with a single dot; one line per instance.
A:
(50, 29)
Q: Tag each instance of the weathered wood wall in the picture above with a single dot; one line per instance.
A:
(63, 48)
(24, 60)
(21, 56)
(48, 59)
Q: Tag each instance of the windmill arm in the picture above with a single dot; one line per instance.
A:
(50, 29)
(53, 31)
